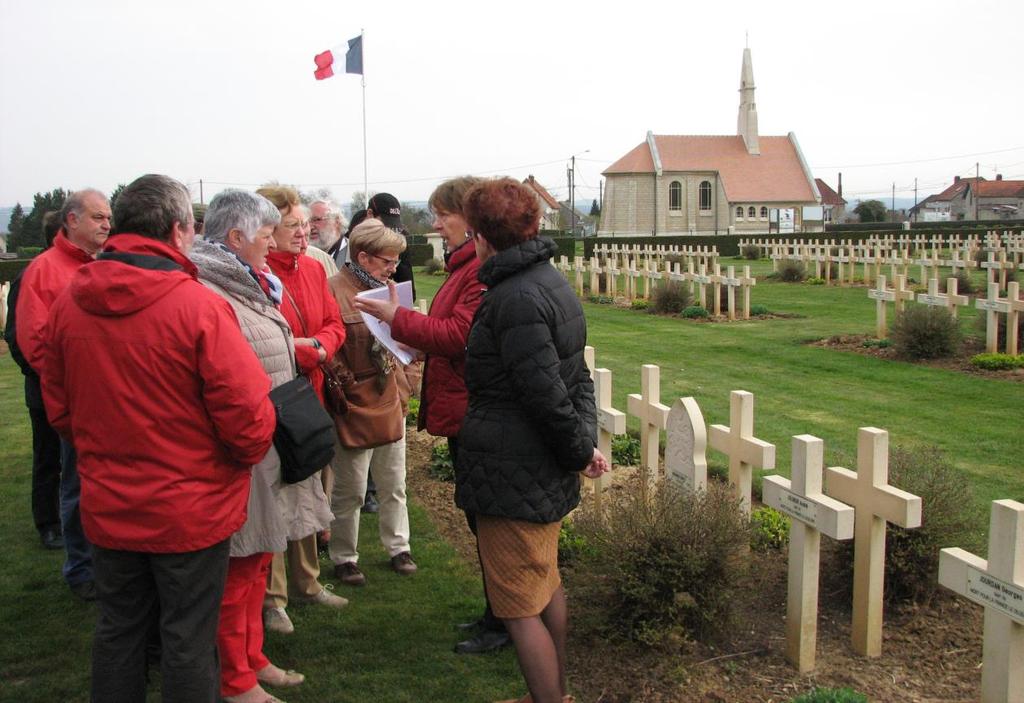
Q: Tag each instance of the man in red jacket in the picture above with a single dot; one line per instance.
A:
(147, 372)
(85, 227)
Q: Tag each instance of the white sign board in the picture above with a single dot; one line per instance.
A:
(814, 213)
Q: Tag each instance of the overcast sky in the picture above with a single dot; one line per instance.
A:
(98, 92)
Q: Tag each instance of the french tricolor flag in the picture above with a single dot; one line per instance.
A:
(353, 59)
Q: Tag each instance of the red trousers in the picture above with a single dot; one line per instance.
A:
(240, 631)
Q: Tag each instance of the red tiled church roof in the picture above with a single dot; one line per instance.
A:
(828, 196)
(776, 175)
(542, 192)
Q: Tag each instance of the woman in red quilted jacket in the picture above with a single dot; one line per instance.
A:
(442, 335)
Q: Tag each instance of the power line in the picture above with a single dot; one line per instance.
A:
(922, 161)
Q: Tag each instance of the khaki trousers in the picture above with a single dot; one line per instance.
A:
(302, 573)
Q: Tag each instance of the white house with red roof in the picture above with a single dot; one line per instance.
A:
(699, 184)
(549, 207)
(973, 198)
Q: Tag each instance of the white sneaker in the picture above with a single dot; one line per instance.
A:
(325, 598)
(277, 620)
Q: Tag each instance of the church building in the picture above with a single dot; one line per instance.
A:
(699, 184)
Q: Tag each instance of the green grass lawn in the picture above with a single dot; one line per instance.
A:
(393, 643)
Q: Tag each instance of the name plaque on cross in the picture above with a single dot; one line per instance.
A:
(995, 593)
(797, 507)
(885, 295)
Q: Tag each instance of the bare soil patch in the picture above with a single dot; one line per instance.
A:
(930, 653)
(961, 362)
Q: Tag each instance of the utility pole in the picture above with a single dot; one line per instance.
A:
(977, 175)
(572, 195)
(915, 193)
(894, 199)
(201, 202)
(600, 196)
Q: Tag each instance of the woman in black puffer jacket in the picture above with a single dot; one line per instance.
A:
(530, 428)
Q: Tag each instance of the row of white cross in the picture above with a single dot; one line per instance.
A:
(851, 504)
(1009, 241)
(640, 280)
(1011, 306)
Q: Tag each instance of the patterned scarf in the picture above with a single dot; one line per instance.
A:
(380, 356)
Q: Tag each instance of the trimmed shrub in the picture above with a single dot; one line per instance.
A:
(751, 252)
(441, 467)
(759, 310)
(997, 362)
(950, 518)
(665, 567)
(792, 272)
(694, 311)
(600, 299)
(10, 268)
(433, 266)
(420, 254)
(769, 529)
(640, 304)
(925, 332)
(671, 298)
(29, 252)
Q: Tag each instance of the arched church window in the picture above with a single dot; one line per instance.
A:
(739, 212)
(751, 212)
(704, 191)
(764, 212)
(675, 195)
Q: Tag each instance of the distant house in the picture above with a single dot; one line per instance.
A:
(973, 198)
(698, 184)
(584, 224)
(832, 203)
(549, 207)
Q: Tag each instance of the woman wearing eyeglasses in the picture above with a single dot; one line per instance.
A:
(372, 432)
(310, 310)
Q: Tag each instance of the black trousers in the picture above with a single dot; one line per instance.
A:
(45, 471)
(488, 621)
(178, 593)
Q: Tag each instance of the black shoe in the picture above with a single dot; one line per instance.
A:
(52, 538)
(474, 625)
(370, 504)
(86, 590)
(486, 641)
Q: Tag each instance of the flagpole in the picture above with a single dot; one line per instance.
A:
(366, 191)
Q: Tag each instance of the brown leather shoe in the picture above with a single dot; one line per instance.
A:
(403, 564)
(349, 574)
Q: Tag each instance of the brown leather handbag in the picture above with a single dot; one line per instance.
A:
(374, 418)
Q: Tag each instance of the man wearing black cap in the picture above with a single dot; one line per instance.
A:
(386, 208)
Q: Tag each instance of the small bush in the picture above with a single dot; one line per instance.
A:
(414, 412)
(434, 266)
(751, 252)
(670, 298)
(997, 362)
(625, 450)
(759, 310)
(964, 283)
(29, 252)
(667, 566)
(640, 304)
(950, 518)
(694, 311)
(601, 299)
(831, 695)
(815, 281)
(925, 332)
(571, 544)
(770, 529)
(441, 467)
(877, 343)
(792, 272)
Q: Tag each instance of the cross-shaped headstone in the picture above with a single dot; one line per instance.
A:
(813, 513)
(610, 422)
(611, 272)
(702, 280)
(881, 295)
(1013, 316)
(876, 502)
(902, 293)
(743, 449)
(686, 443)
(595, 276)
(653, 417)
(993, 305)
(717, 279)
(949, 301)
(579, 268)
(997, 585)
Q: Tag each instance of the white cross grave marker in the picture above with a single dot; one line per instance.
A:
(881, 295)
(743, 449)
(610, 422)
(998, 585)
(686, 443)
(875, 502)
(993, 305)
(949, 301)
(653, 418)
(812, 513)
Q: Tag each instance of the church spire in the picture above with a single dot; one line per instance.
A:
(746, 122)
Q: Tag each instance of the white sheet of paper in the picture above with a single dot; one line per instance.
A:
(382, 330)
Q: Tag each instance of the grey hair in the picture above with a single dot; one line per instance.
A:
(238, 209)
(151, 205)
(76, 202)
(333, 210)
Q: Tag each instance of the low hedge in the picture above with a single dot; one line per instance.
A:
(9, 268)
(728, 244)
(420, 254)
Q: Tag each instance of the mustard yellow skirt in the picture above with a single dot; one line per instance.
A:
(520, 563)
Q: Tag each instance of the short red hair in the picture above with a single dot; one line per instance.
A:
(503, 211)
